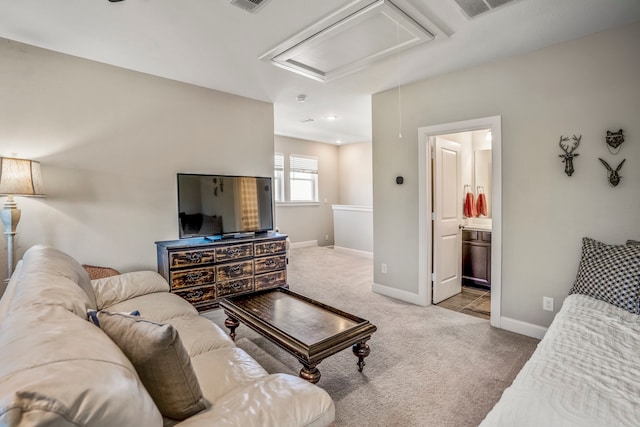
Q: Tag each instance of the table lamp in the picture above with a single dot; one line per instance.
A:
(18, 177)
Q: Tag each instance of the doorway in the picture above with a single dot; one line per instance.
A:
(429, 249)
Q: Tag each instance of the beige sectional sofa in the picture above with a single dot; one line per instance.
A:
(59, 369)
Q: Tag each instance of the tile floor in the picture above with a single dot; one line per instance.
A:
(473, 301)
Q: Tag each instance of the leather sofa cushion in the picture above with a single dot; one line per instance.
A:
(199, 334)
(274, 400)
(49, 276)
(159, 306)
(59, 368)
(226, 369)
(115, 289)
(161, 361)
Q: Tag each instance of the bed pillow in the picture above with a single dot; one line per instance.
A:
(633, 242)
(610, 273)
(162, 362)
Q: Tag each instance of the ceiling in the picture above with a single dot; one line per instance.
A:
(213, 44)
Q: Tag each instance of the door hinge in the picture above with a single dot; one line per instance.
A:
(433, 216)
(433, 277)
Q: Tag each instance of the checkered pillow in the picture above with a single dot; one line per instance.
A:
(633, 242)
(610, 273)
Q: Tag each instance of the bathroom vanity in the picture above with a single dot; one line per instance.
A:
(476, 258)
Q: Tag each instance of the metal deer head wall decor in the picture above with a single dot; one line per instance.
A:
(567, 157)
(614, 176)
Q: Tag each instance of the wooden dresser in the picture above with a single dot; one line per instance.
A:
(202, 270)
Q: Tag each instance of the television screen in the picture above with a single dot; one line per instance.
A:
(217, 205)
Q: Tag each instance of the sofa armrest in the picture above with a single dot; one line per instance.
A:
(115, 289)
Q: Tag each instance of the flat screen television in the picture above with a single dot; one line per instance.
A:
(223, 205)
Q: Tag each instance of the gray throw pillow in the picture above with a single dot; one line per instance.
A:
(160, 359)
(610, 273)
(633, 242)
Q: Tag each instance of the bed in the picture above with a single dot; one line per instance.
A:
(586, 370)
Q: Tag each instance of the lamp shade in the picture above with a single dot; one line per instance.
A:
(20, 177)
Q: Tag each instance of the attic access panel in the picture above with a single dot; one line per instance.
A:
(473, 8)
(348, 40)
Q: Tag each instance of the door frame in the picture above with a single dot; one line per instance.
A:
(425, 236)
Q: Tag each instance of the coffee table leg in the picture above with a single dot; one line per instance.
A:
(232, 324)
(361, 350)
(310, 373)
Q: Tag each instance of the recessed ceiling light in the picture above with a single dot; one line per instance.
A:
(338, 141)
(332, 117)
(307, 120)
(301, 98)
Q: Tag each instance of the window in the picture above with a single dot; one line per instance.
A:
(278, 172)
(303, 178)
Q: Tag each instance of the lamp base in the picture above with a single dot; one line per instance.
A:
(10, 215)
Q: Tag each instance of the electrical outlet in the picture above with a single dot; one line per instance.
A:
(383, 267)
(547, 303)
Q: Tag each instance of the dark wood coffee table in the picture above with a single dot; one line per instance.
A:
(308, 329)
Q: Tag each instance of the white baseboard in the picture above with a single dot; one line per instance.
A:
(522, 328)
(304, 244)
(397, 294)
(357, 252)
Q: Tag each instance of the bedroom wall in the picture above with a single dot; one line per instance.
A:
(111, 142)
(310, 222)
(355, 176)
(585, 87)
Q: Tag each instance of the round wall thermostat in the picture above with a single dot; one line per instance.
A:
(399, 180)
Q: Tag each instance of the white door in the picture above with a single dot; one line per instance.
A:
(447, 237)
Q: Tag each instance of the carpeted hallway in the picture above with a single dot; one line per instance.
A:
(429, 366)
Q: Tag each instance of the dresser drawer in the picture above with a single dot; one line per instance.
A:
(271, 280)
(268, 248)
(231, 252)
(193, 277)
(234, 287)
(191, 257)
(198, 295)
(272, 263)
(236, 270)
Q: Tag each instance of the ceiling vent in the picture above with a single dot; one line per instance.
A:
(473, 8)
(350, 39)
(250, 5)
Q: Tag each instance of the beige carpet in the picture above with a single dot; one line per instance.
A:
(428, 366)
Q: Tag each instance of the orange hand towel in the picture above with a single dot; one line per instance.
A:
(469, 206)
(481, 206)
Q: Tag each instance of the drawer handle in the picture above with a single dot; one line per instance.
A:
(194, 257)
(272, 247)
(194, 277)
(195, 294)
(234, 251)
(236, 286)
(270, 263)
(236, 270)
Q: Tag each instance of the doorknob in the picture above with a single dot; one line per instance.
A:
(460, 226)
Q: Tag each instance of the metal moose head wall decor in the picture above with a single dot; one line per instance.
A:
(614, 176)
(567, 157)
(614, 140)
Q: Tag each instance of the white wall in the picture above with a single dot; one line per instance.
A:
(355, 176)
(353, 229)
(586, 87)
(310, 221)
(111, 142)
